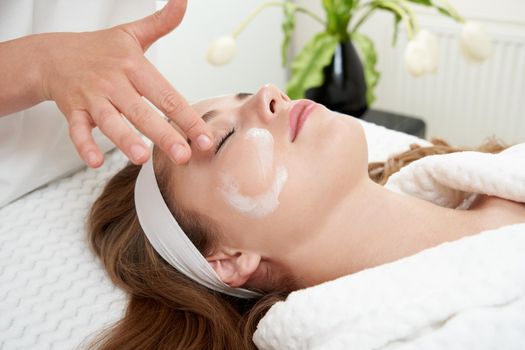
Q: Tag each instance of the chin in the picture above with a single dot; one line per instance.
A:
(325, 164)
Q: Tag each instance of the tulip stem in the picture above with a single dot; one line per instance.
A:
(311, 14)
(404, 12)
(362, 19)
(411, 15)
(265, 5)
(452, 11)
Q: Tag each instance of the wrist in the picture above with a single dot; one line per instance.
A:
(21, 85)
(40, 61)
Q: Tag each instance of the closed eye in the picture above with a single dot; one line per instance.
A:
(223, 139)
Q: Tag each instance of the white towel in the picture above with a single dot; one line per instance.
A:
(450, 179)
(466, 294)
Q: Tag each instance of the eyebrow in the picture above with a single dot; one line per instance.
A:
(212, 113)
(242, 95)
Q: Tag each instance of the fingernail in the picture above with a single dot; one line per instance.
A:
(204, 142)
(178, 152)
(91, 157)
(136, 152)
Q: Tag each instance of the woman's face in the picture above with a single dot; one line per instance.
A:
(265, 187)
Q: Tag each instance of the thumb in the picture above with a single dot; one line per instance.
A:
(149, 29)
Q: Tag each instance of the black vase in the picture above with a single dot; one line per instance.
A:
(344, 87)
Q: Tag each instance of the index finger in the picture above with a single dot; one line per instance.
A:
(152, 85)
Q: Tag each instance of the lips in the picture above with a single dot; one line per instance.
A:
(300, 110)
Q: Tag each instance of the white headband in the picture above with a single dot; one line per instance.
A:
(168, 238)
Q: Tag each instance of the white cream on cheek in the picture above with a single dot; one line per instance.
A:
(264, 142)
(257, 206)
(265, 203)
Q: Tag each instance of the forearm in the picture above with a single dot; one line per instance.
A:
(20, 73)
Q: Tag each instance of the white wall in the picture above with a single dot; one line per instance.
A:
(461, 103)
(463, 108)
(181, 54)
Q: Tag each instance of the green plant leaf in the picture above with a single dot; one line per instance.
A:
(331, 16)
(398, 8)
(422, 2)
(449, 12)
(328, 5)
(288, 27)
(307, 66)
(368, 55)
(338, 15)
(343, 12)
(446, 12)
(397, 19)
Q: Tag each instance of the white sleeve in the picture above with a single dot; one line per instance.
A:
(35, 147)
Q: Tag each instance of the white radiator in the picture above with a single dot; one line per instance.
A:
(461, 103)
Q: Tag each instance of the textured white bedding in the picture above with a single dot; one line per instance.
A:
(53, 292)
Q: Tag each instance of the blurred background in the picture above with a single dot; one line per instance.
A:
(181, 56)
(462, 103)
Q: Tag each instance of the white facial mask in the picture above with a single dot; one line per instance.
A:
(257, 206)
(264, 142)
(263, 204)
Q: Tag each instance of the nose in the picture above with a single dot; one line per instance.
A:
(268, 101)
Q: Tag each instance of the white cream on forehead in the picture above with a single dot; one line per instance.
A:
(263, 204)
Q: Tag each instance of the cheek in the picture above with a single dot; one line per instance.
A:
(326, 167)
(251, 182)
(250, 164)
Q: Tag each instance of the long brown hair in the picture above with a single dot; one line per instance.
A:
(166, 310)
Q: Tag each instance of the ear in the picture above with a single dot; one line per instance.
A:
(234, 267)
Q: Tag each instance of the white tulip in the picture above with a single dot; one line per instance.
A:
(421, 54)
(222, 50)
(474, 43)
